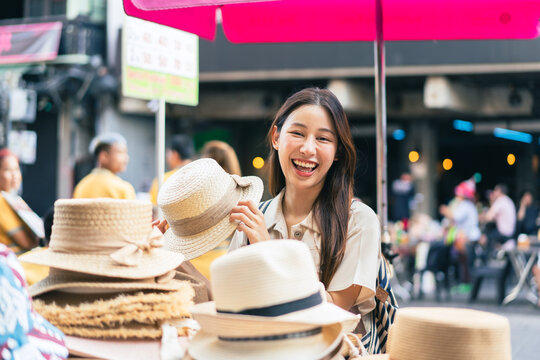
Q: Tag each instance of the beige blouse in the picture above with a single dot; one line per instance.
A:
(362, 254)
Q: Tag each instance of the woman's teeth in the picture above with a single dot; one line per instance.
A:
(304, 166)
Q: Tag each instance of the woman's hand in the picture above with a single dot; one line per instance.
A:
(250, 221)
(162, 225)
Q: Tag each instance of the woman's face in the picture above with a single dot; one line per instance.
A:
(306, 146)
(10, 174)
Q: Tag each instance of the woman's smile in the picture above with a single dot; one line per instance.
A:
(304, 167)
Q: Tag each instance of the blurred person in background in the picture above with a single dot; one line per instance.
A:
(15, 233)
(500, 218)
(527, 215)
(224, 154)
(111, 156)
(180, 152)
(462, 229)
(226, 157)
(402, 197)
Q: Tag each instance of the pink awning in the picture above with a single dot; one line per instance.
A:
(348, 20)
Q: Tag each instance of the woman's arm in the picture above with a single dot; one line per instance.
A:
(24, 239)
(345, 299)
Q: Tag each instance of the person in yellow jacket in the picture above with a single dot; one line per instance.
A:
(14, 232)
(179, 153)
(111, 155)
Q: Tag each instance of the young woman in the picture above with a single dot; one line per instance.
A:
(311, 172)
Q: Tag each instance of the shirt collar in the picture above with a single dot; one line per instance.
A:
(276, 221)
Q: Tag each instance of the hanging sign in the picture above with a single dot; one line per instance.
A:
(159, 62)
(29, 42)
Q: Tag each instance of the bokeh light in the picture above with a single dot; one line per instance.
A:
(414, 156)
(447, 164)
(511, 159)
(258, 162)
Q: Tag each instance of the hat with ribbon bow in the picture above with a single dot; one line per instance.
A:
(107, 238)
(196, 202)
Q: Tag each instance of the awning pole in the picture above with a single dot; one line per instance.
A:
(160, 144)
(380, 113)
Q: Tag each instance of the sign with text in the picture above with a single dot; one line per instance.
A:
(159, 62)
(29, 42)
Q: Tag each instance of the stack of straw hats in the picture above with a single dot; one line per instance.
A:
(269, 304)
(447, 334)
(109, 278)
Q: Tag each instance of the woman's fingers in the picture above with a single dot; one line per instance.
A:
(242, 218)
(162, 225)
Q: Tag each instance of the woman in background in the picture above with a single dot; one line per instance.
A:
(13, 232)
(224, 154)
(226, 157)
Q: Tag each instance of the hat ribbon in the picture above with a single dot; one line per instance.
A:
(213, 214)
(130, 254)
(280, 309)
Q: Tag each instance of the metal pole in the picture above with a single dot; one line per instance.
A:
(160, 144)
(380, 112)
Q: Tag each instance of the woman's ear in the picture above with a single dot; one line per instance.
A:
(275, 137)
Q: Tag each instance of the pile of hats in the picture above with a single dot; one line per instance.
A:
(269, 304)
(109, 278)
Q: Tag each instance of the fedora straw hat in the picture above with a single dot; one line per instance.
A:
(447, 334)
(266, 289)
(196, 201)
(106, 237)
(74, 282)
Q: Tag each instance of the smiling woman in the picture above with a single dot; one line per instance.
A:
(311, 171)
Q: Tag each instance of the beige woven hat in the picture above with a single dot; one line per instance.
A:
(196, 201)
(267, 295)
(106, 237)
(74, 282)
(447, 334)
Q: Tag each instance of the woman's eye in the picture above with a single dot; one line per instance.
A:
(298, 133)
(322, 138)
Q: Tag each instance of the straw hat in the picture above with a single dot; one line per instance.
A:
(265, 294)
(447, 334)
(196, 201)
(106, 237)
(74, 282)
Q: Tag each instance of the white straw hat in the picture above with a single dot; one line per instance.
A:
(196, 201)
(448, 334)
(106, 237)
(265, 293)
(324, 343)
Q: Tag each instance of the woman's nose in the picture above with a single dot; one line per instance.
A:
(308, 147)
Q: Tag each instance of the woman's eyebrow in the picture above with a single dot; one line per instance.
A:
(305, 126)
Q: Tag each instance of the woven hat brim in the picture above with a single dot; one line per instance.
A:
(196, 245)
(155, 263)
(114, 349)
(66, 284)
(215, 323)
(208, 346)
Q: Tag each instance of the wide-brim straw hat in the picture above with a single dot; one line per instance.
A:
(268, 288)
(72, 282)
(322, 345)
(106, 237)
(196, 201)
(448, 334)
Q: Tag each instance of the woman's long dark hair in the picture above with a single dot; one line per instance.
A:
(331, 208)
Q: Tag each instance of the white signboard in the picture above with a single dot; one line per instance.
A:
(160, 62)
